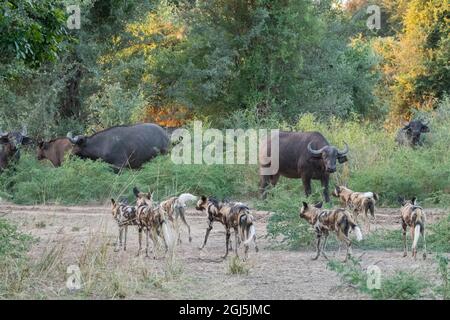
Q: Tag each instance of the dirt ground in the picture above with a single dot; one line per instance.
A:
(273, 274)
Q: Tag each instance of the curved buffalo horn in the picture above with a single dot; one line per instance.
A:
(345, 151)
(316, 152)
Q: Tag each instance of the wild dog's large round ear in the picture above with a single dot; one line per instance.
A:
(136, 191)
(203, 198)
(319, 205)
(305, 205)
(400, 200)
(113, 201)
(376, 196)
(414, 200)
(338, 190)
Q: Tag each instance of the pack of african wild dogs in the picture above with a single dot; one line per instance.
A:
(303, 155)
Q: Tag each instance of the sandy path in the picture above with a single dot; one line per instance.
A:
(274, 273)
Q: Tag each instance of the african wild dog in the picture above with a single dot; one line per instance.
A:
(176, 208)
(151, 218)
(324, 221)
(413, 216)
(125, 216)
(231, 215)
(358, 201)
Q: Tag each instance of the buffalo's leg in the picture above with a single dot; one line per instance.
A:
(307, 185)
(208, 230)
(326, 193)
(263, 183)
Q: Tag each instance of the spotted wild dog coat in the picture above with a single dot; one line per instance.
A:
(125, 216)
(360, 202)
(234, 216)
(325, 221)
(151, 218)
(413, 216)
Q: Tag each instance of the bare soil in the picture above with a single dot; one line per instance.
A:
(273, 273)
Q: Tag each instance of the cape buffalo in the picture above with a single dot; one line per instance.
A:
(123, 146)
(10, 146)
(409, 135)
(305, 155)
(54, 150)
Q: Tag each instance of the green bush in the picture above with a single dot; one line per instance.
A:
(401, 285)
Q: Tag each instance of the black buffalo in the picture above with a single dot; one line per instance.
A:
(123, 146)
(409, 135)
(10, 146)
(305, 155)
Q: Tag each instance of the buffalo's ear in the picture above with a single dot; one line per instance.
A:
(305, 205)
(81, 140)
(26, 140)
(414, 200)
(136, 191)
(4, 139)
(425, 129)
(342, 159)
(318, 205)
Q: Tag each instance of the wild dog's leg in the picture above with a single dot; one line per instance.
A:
(208, 230)
(236, 239)
(424, 242)
(345, 239)
(147, 235)
(404, 226)
(183, 218)
(414, 250)
(324, 245)
(125, 239)
(119, 240)
(140, 240)
(326, 193)
(227, 241)
(318, 236)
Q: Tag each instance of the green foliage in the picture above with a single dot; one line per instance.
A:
(32, 31)
(13, 244)
(401, 285)
(444, 272)
(237, 267)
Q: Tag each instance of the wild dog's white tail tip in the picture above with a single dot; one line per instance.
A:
(185, 197)
(167, 235)
(416, 235)
(251, 235)
(358, 233)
